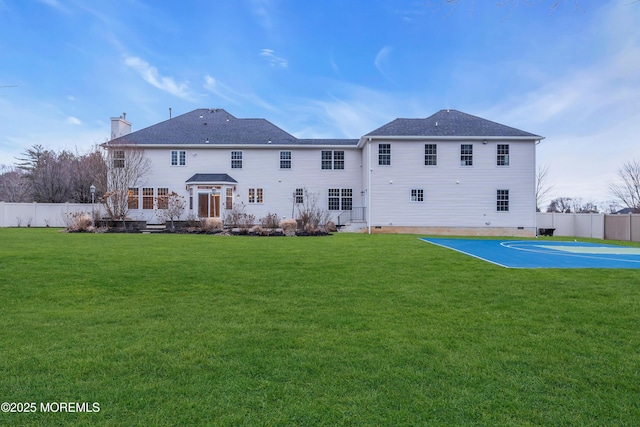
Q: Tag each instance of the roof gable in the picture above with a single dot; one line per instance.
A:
(449, 123)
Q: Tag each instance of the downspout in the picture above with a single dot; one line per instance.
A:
(369, 172)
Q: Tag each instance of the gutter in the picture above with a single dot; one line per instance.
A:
(367, 139)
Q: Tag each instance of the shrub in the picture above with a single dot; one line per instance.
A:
(80, 221)
(238, 218)
(258, 230)
(270, 222)
(289, 226)
(192, 220)
(310, 215)
(209, 225)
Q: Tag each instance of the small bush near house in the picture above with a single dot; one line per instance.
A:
(209, 225)
(80, 222)
(289, 226)
(311, 216)
(270, 222)
(192, 220)
(238, 218)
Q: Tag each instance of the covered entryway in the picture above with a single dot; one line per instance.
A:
(210, 194)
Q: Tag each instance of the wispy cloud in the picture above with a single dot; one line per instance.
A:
(381, 60)
(74, 121)
(219, 89)
(151, 75)
(260, 8)
(273, 60)
(589, 114)
(237, 97)
(349, 111)
(334, 65)
(55, 4)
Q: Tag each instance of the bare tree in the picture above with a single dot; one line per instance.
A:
(126, 168)
(627, 189)
(49, 174)
(610, 206)
(560, 205)
(14, 187)
(579, 205)
(88, 169)
(171, 207)
(542, 186)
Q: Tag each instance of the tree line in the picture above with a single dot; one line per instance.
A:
(625, 192)
(49, 176)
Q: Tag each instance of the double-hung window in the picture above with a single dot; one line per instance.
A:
(430, 154)
(285, 160)
(503, 155)
(299, 195)
(236, 160)
(118, 159)
(338, 159)
(178, 158)
(334, 199)
(384, 154)
(466, 155)
(502, 201)
(346, 203)
(417, 195)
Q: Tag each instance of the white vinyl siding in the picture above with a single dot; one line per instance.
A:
(457, 196)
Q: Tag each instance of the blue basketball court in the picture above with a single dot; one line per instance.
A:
(543, 253)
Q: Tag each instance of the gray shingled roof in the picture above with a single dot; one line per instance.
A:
(449, 123)
(218, 127)
(212, 177)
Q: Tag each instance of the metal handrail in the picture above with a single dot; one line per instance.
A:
(355, 214)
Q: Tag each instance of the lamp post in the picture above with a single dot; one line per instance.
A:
(93, 195)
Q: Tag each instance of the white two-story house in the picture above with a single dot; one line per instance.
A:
(450, 173)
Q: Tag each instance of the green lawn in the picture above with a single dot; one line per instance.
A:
(348, 329)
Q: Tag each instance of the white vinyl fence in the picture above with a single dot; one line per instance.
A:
(597, 226)
(43, 214)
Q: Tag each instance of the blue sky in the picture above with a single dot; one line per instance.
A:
(333, 68)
